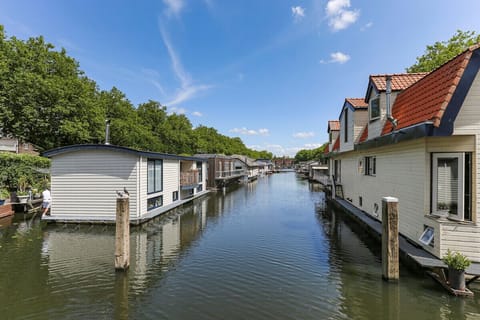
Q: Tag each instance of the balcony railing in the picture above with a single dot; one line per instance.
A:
(230, 173)
(189, 178)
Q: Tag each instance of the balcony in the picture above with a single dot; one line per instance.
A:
(230, 174)
(189, 179)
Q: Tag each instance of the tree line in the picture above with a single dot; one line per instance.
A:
(45, 99)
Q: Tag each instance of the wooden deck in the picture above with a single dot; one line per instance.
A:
(410, 253)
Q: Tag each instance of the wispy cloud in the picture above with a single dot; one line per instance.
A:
(303, 135)
(250, 132)
(339, 14)
(312, 145)
(367, 26)
(197, 114)
(173, 7)
(337, 57)
(176, 110)
(298, 13)
(187, 89)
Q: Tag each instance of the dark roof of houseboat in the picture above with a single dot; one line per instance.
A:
(149, 154)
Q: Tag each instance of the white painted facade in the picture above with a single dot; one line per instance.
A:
(406, 170)
(84, 181)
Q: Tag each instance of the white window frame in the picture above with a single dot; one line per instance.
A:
(461, 185)
(377, 97)
(370, 162)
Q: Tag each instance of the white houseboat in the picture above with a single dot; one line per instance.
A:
(85, 179)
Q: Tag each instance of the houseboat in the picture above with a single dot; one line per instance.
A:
(222, 170)
(85, 180)
(416, 137)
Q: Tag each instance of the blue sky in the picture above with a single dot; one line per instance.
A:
(272, 72)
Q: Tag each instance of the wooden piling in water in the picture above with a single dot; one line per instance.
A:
(390, 255)
(122, 234)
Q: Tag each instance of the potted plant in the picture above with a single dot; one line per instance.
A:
(22, 192)
(457, 264)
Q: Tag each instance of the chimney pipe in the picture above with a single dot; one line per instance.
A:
(388, 94)
(107, 131)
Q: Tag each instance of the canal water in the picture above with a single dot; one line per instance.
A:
(266, 250)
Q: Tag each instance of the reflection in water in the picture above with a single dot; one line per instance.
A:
(269, 249)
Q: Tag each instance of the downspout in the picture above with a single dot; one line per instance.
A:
(388, 95)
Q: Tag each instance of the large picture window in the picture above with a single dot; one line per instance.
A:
(154, 176)
(451, 185)
(374, 108)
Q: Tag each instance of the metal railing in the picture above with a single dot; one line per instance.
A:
(189, 178)
(230, 173)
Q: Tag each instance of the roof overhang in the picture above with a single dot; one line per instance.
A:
(108, 147)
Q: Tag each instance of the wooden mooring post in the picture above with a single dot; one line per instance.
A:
(390, 256)
(122, 234)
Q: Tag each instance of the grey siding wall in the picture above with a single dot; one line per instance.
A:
(84, 183)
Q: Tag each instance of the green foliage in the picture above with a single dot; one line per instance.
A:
(442, 51)
(4, 193)
(47, 100)
(456, 260)
(311, 154)
(21, 171)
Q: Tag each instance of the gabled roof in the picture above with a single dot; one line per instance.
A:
(336, 145)
(364, 135)
(333, 125)
(428, 99)
(400, 81)
(357, 103)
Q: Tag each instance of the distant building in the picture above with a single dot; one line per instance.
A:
(15, 145)
(284, 163)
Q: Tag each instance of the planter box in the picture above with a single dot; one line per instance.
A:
(6, 210)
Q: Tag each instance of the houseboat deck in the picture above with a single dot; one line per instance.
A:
(133, 220)
(410, 254)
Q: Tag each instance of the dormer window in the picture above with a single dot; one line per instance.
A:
(374, 108)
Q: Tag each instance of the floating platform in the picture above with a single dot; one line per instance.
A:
(411, 254)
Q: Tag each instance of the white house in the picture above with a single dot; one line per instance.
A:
(85, 178)
(420, 143)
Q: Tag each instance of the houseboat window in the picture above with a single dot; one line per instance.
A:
(375, 108)
(346, 126)
(154, 176)
(174, 195)
(451, 185)
(155, 202)
(370, 166)
(199, 188)
(199, 168)
(427, 236)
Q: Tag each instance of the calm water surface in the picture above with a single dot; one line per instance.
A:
(260, 251)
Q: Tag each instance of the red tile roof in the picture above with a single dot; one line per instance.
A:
(334, 125)
(364, 135)
(427, 99)
(336, 145)
(400, 81)
(326, 150)
(357, 103)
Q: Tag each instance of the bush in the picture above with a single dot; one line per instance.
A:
(22, 170)
(456, 260)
